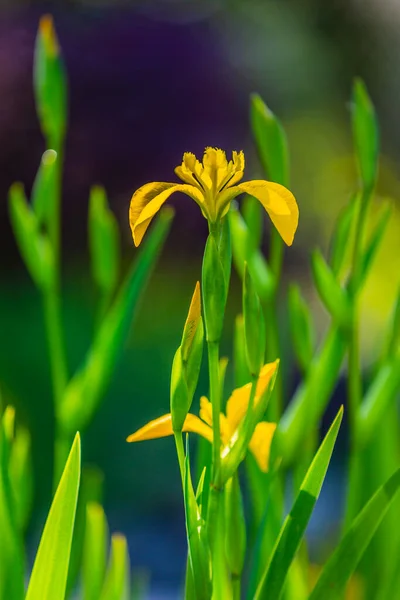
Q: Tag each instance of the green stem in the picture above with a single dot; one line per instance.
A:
(215, 399)
(275, 260)
(181, 455)
(236, 587)
(51, 308)
(52, 315)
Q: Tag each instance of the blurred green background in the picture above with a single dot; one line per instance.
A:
(148, 81)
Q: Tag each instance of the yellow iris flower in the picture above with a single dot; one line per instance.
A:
(213, 184)
(236, 408)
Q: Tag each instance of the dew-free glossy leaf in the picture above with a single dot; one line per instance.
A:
(345, 558)
(301, 327)
(293, 529)
(311, 397)
(331, 293)
(365, 133)
(270, 140)
(103, 241)
(94, 552)
(87, 386)
(117, 581)
(11, 546)
(49, 575)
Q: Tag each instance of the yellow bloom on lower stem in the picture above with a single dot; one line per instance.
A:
(236, 408)
(213, 184)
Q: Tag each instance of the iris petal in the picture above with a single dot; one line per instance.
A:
(162, 427)
(279, 203)
(147, 201)
(260, 443)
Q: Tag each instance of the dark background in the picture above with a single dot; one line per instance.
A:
(148, 81)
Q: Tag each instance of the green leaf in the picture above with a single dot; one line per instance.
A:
(104, 241)
(331, 293)
(392, 337)
(91, 490)
(50, 84)
(235, 527)
(34, 246)
(187, 363)
(241, 369)
(310, 399)
(380, 395)
(341, 237)
(242, 247)
(254, 325)
(11, 546)
(343, 562)
(43, 188)
(95, 552)
(214, 290)
(253, 215)
(270, 139)
(21, 476)
(373, 244)
(198, 548)
(49, 575)
(87, 386)
(117, 582)
(365, 134)
(294, 527)
(301, 328)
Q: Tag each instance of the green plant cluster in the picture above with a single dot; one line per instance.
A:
(236, 549)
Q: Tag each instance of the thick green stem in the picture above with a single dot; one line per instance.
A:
(236, 587)
(215, 399)
(51, 309)
(181, 455)
(52, 315)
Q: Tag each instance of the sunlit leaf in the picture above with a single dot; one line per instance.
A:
(49, 575)
(296, 522)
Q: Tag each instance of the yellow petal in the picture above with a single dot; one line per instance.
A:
(206, 415)
(206, 410)
(162, 427)
(279, 203)
(260, 443)
(147, 201)
(215, 166)
(237, 404)
(193, 424)
(189, 168)
(192, 322)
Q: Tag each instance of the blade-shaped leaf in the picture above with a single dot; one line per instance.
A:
(365, 133)
(331, 293)
(341, 235)
(87, 386)
(259, 269)
(49, 575)
(117, 582)
(346, 557)
(301, 327)
(11, 548)
(103, 241)
(199, 555)
(309, 402)
(271, 141)
(295, 524)
(95, 552)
